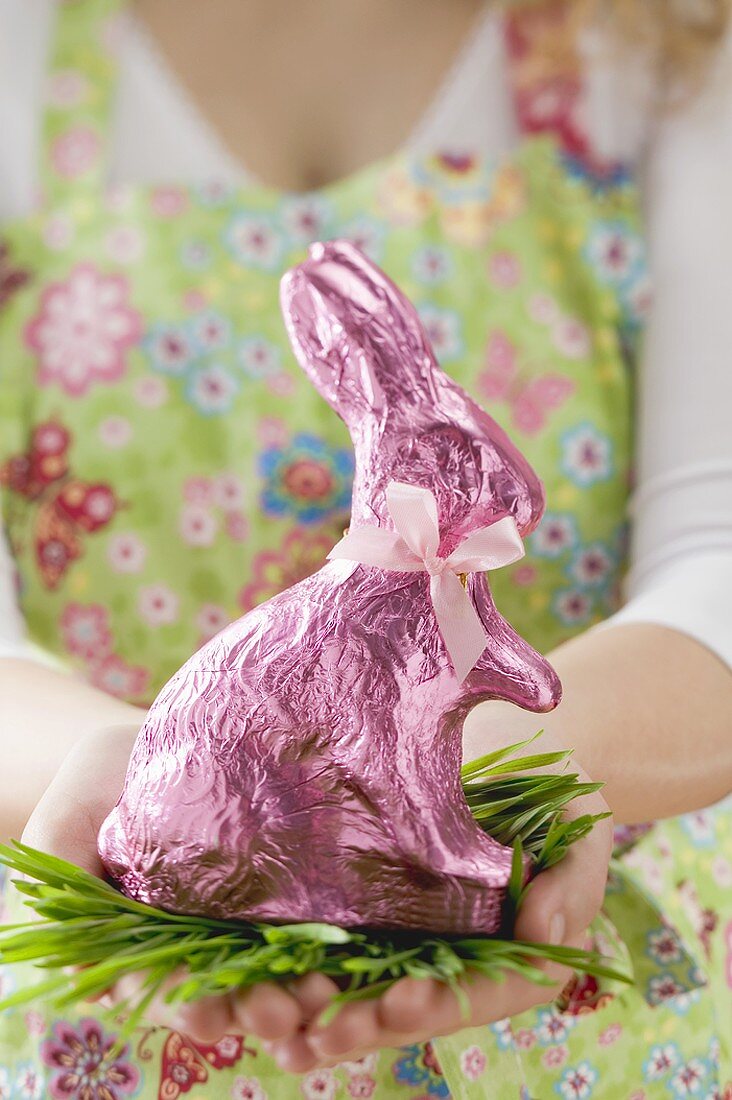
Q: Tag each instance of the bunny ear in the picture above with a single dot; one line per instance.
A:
(354, 333)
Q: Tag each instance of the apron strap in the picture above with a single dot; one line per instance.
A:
(547, 78)
(81, 80)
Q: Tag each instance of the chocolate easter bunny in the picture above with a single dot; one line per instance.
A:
(305, 763)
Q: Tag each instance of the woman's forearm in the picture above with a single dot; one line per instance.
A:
(43, 713)
(648, 710)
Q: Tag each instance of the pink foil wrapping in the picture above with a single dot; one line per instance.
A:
(305, 763)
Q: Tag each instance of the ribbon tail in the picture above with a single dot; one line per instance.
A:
(375, 546)
(488, 548)
(462, 631)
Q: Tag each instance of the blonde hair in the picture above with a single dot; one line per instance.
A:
(679, 37)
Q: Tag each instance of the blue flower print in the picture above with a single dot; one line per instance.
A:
(615, 252)
(307, 479)
(573, 606)
(258, 357)
(592, 566)
(254, 242)
(367, 234)
(553, 1027)
(556, 534)
(689, 1079)
(432, 264)
(663, 946)
(169, 348)
(418, 1066)
(587, 455)
(662, 1059)
(210, 332)
(577, 1082)
(443, 331)
(212, 390)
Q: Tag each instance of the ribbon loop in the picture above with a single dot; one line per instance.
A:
(413, 547)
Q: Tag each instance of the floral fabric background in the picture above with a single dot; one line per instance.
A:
(165, 466)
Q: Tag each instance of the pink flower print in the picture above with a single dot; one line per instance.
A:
(247, 1088)
(302, 553)
(211, 619)
(35, 1023)
(472, 1063)
(362, 1085)
(272, 432)
(4, 1084)
(555, 1056)
(66, 88)
(74, 152)
(505, 270)
(58, 232)
(83, 330)
(193, 300)
(319, 1085)
(524, 575)
(198, 526)
(125, 244)
(610, 1035)
(115, 432)
(722, 872)
(281, 384)
(168, 202)
(524, 1038)
(639, 1094)
(118, 198)
(82, 1063)
(198, 490)
(116, 677)
(126, 553)
(367, 1064)
(572, 338)
(151, 393)
(228, 492)
(85, 630)
(237, 527)
(158, 605)
(543, 308)
(500, 358)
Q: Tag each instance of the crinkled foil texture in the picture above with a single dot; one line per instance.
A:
(305, 764)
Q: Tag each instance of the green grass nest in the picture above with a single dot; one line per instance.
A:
(87, 935)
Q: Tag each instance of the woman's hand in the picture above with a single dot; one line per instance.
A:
(558, 908)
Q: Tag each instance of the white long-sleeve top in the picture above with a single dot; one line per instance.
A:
(681, 562)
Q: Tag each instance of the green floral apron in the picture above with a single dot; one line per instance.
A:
(165, 466)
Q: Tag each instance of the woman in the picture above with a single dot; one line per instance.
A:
(164, 466)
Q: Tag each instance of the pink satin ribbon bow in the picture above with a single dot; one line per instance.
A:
(413, 546)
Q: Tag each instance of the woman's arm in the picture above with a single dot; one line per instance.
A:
(43, 714)
(648, 710)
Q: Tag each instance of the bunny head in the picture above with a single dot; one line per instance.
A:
(363, 346)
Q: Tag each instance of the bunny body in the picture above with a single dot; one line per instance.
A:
(305, 764)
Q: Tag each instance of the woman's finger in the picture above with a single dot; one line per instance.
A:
(267, 1011)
